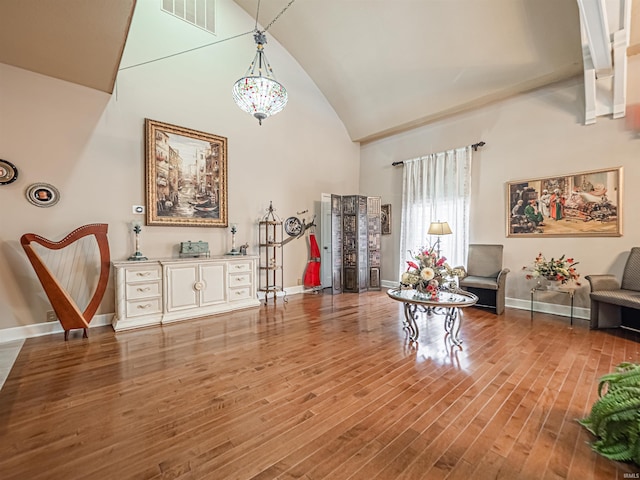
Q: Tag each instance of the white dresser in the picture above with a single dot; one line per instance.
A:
(154, 292)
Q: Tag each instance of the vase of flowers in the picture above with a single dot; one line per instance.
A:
(556, 272)
(428, 273)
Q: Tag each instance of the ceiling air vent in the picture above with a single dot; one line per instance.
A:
(201, 13)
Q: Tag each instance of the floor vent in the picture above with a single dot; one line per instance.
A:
(201, 13)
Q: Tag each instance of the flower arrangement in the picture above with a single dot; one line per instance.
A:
(428, 272)
(561, 269)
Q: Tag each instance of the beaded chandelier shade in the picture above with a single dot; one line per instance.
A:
(258, 93)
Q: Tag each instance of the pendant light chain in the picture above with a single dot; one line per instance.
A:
(277, 16)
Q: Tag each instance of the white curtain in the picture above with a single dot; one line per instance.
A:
(436, 187)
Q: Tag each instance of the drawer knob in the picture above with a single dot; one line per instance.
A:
(142, 307)
(198, 286)
(145, 289)
(143, 274)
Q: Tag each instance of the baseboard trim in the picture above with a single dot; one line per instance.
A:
(47, 328)
(630, 328)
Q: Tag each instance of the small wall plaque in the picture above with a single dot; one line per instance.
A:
(42, 195)
(8, 172)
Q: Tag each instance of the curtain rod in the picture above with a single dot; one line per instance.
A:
(474, 146)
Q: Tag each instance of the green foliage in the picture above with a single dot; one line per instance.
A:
(615, 417)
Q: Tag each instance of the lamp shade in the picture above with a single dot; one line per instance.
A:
(258, 92)
(259, 96)
(439, 228)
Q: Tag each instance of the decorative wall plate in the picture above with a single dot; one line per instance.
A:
(293, 226)
(43, 194)
(8, 172)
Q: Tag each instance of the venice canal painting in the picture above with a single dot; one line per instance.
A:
(186, 176)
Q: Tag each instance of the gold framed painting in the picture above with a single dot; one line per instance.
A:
(585, 204)
(186, 176)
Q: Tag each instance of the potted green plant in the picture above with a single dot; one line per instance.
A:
(615, 416)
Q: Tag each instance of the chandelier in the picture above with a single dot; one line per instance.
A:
(258, 93)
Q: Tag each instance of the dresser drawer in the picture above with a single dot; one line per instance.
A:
(143, 290)
(137, 308)
(235, 267)
(239, 279)
(236, 294)
(142, 274)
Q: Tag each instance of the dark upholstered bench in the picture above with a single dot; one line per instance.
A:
(609, 297)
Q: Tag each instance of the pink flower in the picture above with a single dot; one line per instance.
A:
(412, 265)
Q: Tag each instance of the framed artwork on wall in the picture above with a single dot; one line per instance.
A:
(8, 172)
(586, 204)
(385, 219)
(186, 176)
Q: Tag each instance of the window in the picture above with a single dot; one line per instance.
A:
(201, 13)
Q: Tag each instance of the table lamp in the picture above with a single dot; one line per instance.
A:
(439, 228)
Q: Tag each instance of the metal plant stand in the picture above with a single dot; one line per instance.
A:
(270, 243)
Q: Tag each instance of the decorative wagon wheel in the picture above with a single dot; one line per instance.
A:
(293, 226)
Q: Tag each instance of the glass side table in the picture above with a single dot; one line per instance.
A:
(567, 290)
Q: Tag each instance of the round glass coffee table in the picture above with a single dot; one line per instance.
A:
(448, 303)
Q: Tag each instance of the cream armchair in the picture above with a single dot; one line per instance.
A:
(485, 276)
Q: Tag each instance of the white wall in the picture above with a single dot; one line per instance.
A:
(535, 135)
(91, 147)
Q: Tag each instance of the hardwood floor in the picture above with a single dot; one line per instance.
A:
(322, 387)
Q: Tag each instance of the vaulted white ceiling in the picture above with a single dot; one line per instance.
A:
(387, 65)
(384, 65)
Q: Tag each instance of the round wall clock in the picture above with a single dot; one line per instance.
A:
(43, 194)
(8, 172)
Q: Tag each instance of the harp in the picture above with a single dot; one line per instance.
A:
(63, 304)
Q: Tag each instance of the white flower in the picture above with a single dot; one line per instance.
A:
(409, 278)
(427, 273)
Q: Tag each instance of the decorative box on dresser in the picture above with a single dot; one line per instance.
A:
(154, 292)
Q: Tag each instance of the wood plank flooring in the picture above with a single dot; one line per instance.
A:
(324, 387)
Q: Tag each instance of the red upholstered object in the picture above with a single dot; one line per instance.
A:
(312, 274)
